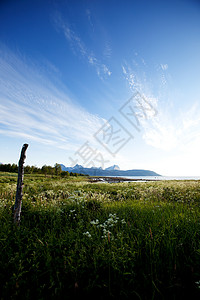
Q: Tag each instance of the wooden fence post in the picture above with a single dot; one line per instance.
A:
(18, 199)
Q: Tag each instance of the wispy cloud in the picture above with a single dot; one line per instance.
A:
(180, 133)
(32, 107)
(79, 47)
(163, 130)
(137, 84)
(89, 17)
(107, 50)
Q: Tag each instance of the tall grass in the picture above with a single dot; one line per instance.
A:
(117, 241)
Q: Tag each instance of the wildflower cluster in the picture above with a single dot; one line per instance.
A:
(72, 214)
(198, 284)
(108, 225)
(77, 198)
(87, 234)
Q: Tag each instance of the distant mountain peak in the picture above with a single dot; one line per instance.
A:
(110, 171)
(77, 166)
(114, 167)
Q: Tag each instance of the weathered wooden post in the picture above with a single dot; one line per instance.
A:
(18, 199)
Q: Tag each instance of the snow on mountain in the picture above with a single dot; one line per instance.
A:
(114, 167)
(77, 167)
(110, 171)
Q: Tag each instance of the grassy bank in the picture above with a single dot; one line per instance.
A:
(122, 241)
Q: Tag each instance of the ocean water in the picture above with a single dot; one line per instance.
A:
(161, 177)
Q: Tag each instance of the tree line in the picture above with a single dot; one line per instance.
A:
(46, 170)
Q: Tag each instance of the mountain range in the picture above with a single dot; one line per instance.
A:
(110, 171)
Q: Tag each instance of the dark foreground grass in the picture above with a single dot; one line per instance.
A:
(100, 241)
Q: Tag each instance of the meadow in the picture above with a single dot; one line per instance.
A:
(138, 240)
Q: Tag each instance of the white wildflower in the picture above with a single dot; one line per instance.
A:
(87, 234)
(94, 222)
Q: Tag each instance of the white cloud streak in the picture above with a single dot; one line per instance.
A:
(89, 17)
(79, 48)
(107, 51)
(33, 108)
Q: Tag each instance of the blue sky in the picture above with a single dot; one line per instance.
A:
(100, 83)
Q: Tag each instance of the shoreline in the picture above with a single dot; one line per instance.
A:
(114, 179)
(111, 179)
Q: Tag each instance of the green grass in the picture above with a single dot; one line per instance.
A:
(117, 241)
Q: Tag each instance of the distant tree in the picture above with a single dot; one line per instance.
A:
(34, 169)
(51, 170)
(44, 170)
(8, 168)
(64, 173)
(28, 169)
(14, 168)
(58, 169)
(2, 168)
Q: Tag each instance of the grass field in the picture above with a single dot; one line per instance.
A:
(118, 241)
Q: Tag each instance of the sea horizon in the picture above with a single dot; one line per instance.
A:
(158, 178)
